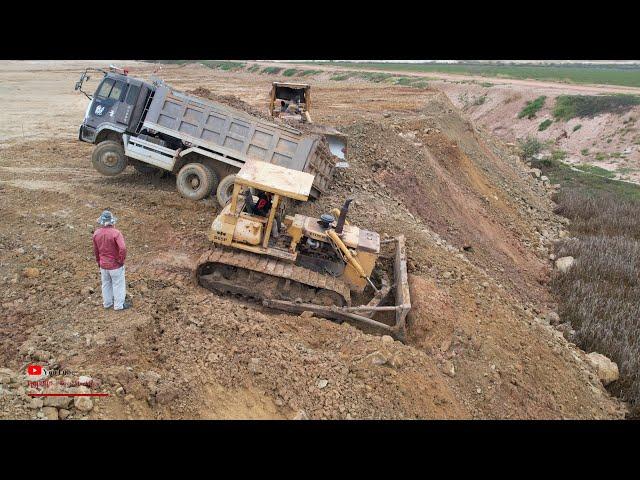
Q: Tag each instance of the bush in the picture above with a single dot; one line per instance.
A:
(558, 155)
(271, 70)
(544, 125)
(530, 147)
(577, 127)
(480, 100)
(572, 106)
(223, 64)
(304, 73)
(532, 107)
(290, 72)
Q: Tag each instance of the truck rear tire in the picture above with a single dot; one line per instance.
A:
(225, 189)
(108, 158)
(196, 181)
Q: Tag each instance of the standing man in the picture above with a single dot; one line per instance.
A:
(110, 251)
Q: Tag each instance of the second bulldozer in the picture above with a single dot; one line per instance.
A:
(299, 263)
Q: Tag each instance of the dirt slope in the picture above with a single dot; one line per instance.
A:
(471, 213)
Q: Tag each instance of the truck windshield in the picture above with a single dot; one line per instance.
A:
(110, 89)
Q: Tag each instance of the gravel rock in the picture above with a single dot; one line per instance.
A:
(322, 383)
(50, 413)
(564, 263)
(552, 318)
(6, 376)
(58, 402)
(63, 413)
(301, 415)
(84, 404)
(377, 358)
(449, 368)
(31, 272)
(36, 403)
(607, 369)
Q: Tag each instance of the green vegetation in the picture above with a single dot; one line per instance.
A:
(486, 84)
(594, 170)
(558, 155)
(375, 76)
(289, 72)
(223, 64)
(271, 70)
(584, 151)
(544, 125)
(530, 147)
(253, 68)
(532, 107)
(600, 156)
(577, 127)
(305, 73)
(602, 74)
(571, 106)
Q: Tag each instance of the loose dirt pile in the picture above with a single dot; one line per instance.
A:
(231, 101)
(478, 347)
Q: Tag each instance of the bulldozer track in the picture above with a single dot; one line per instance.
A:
(260, 277)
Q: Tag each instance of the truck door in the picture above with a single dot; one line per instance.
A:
(106, 103)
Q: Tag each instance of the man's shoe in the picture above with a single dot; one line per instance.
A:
(125, 306)
(110, 306)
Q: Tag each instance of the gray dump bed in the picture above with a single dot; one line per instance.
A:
(235, 136)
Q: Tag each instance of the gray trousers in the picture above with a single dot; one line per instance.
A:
(113, 288)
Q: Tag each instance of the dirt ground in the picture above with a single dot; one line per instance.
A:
(478, 229)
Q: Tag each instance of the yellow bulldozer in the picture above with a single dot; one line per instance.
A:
(298, 263)
(291, 102)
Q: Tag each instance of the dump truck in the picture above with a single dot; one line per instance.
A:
(298, 263)
(204, 143)
(291, 103)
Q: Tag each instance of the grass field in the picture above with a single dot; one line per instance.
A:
(607, 75)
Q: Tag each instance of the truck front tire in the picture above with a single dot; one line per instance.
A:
(196, 181)
(108, 158)
(225, 189)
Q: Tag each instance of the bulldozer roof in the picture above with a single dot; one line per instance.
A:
(292, 85)
(276, 179)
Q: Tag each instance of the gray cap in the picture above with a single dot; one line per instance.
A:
(107, 218)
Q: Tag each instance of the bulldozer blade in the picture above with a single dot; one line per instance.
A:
(337, 145)
(362, 314)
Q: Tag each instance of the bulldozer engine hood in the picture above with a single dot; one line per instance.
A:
(352, 236)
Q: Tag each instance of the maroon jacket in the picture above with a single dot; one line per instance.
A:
(109, 247)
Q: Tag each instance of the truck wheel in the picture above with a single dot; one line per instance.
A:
(225, 189)
(108, 158)
(195, 181)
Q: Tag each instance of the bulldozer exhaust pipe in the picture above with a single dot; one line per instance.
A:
(343, 215)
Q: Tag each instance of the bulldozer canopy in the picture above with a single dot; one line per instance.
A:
(276, 179)
(287, 91)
